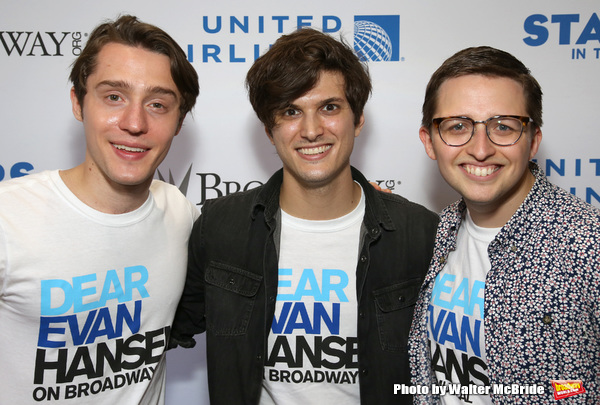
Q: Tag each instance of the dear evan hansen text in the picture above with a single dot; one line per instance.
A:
(89, 339)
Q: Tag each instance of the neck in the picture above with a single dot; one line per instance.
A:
(94, 190)
(325, 202)
(497, 213)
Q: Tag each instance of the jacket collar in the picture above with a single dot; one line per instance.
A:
(524, 221)
(529, 216)
(376, 213)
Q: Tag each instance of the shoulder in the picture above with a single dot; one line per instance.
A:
(563, 221)
(29, 185)
(168, 195)
(401, 206)
(453, 212)
(230, 213)
(571, 211)
(238, 202)
(398, 208)
(161, 187)
(228, 218)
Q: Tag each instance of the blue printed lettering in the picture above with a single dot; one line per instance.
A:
(533, 26)
(440, 287)
(295, 316)
(445, 328)
(282, 283)
(591, 32)
(112, 288)
(280, 19)
(299, 319)
(332, 323)
(97, 323)
(74, 294)
(336, 20)
(435, 328)
(131, 284)
(308, 286)
(329, 286)
(80, 292)
(46, 297)
(304, 21)
(46, 330)
(77, 336)
(449, 330)
(564, 21)
(102, 326)
(567, 23)
(277, 325)
(210, 51)
(332, 281)
(471, 337)
(476, 299)
(461, 291)
(459, 297)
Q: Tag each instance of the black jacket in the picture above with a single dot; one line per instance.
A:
(231, 289)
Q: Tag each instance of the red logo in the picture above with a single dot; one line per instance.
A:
(567, 388)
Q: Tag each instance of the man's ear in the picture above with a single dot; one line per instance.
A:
(427, 142)
(75, 106)
(180, 125)
(359, 126)
(270, 135)
(536, 140)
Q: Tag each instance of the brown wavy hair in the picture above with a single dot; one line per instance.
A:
(292, 67)
(487, 61)
(128, 30)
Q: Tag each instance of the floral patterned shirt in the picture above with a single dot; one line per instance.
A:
(542, 298)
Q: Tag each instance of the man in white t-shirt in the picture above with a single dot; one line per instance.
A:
(92, 259)
(305, 286)
(508, 312)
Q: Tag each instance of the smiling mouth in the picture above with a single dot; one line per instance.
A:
(480, 171)
(128, 148)
(314, 151)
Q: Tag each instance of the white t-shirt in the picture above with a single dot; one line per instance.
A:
(87, 298)
(455, 317)
(312, 354)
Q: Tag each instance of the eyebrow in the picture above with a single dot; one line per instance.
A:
(120, 84)
(334, 100)
(322, 102)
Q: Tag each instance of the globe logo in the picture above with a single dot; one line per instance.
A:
(371, 42)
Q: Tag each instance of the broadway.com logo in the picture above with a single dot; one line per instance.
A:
(37, 43)
(214, 185)
(567, 388)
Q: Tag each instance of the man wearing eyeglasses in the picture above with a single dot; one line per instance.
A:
(516, 248)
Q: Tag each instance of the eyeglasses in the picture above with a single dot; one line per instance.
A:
(502, 130)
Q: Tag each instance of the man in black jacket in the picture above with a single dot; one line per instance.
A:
(306, 286)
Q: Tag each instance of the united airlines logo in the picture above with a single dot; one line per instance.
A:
(377, 37)
(225, 39)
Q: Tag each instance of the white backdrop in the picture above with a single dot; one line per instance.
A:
(223, 146)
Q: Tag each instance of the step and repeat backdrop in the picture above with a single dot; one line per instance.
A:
(223, 148)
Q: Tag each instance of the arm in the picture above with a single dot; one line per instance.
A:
(190, 316)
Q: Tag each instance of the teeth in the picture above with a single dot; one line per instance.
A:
(128, 149)
(480, 171)
(314, 151)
